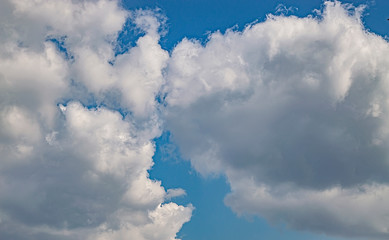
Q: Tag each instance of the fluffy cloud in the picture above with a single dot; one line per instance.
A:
(294, 111)
(90, 180)
(69, 170)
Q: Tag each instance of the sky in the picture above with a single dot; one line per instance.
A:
(194, 120)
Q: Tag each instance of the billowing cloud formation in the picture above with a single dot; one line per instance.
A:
(294, 111)
(68, 169)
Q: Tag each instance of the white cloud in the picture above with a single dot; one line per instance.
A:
(32, 80)
(166, 220)
(69, 171)
(140, 74)
(93, 183)
(294, 112)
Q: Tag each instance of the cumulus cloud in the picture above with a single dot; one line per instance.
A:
(92, 184)
(294, 111)
(69, 169)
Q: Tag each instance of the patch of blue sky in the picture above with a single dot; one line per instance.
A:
(127, 37)
(59, 43)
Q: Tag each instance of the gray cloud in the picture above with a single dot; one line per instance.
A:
(294, 112)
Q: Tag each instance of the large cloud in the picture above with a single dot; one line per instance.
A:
(68, 169)
(294, 111)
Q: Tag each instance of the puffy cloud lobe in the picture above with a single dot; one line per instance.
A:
(136, 74)
(89, 181)
(23, 75)
(297, 109)
(166, 221)
(89, 23)
(88, 31)
(68, 171)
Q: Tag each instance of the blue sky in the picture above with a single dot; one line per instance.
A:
(194, 120)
